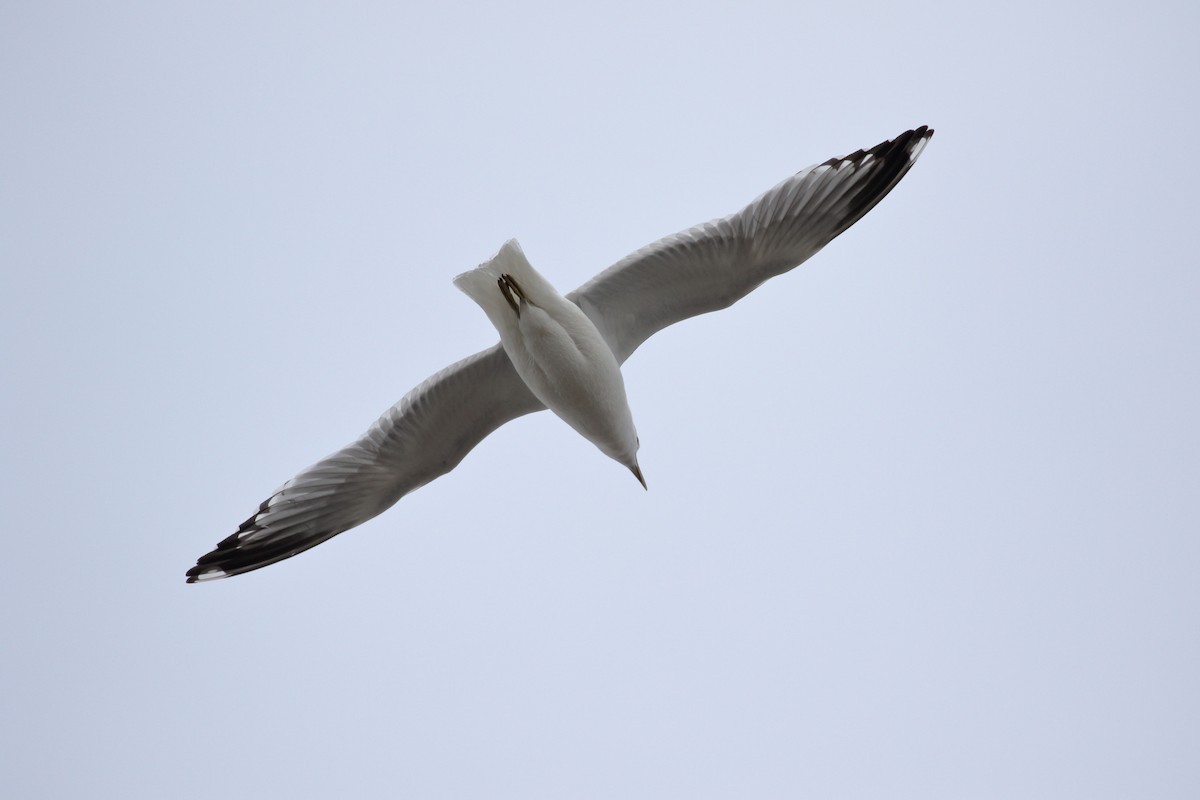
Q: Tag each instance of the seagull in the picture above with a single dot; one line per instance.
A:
(562, 352)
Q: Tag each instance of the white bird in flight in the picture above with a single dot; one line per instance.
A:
(562, 352)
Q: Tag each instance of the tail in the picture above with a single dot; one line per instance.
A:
(482, 284)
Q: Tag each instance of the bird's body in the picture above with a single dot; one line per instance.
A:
(557, 351)
(562, 352)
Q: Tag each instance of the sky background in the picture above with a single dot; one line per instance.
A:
(922, 519)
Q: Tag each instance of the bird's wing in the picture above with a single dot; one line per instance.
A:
(423, 436)
(713, 265)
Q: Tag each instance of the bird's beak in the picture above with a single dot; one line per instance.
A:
(637, 473)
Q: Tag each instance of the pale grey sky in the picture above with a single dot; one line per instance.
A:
(922, 514)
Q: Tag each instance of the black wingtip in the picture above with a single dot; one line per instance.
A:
(233, 556)
(903, 143)
(891, 160)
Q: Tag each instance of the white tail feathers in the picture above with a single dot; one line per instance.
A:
(480, 284)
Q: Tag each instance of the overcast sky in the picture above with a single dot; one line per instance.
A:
(922, 519)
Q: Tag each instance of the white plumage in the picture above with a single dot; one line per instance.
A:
(562, 352)
(557, 351)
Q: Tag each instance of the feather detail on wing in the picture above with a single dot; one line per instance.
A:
(713, 265)
(423, 436)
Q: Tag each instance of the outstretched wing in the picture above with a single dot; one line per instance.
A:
(713, 265)
(423, 436)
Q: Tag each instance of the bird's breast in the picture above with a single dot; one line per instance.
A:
(568, 366)
(563, 362)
